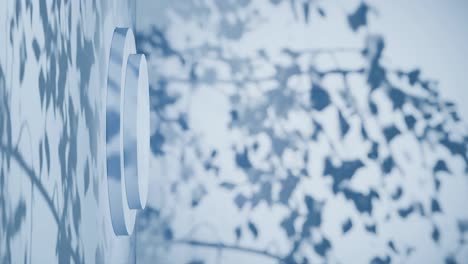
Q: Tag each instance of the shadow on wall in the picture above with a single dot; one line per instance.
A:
(46, 124)
(288, 155)
(264, 150)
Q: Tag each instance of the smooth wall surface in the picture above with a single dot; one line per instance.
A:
(306, 131)
(282, 131)
(53, 72)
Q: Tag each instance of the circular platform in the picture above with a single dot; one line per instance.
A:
(127, 131)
